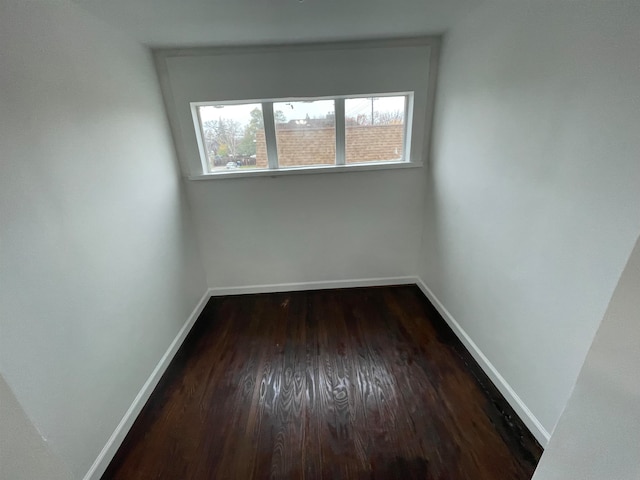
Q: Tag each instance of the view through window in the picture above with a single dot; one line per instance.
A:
(302, 132)
(374, 129)
(306, 133)
(230, 135)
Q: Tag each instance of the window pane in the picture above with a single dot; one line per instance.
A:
(233, 136)
(374, 129)
(305, 133)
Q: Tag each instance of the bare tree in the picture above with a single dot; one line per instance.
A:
(211, 138)
(359, 120)
(222, 136)
(393, 117)
(231, 134)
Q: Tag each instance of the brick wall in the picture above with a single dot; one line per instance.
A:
(374, 143)
(316, 146)
(261, 150)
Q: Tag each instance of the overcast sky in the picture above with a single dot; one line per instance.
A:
(300, 110)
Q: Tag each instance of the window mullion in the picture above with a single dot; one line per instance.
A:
(202, 139)
(270, 134)
(408, 126)
(340, 131)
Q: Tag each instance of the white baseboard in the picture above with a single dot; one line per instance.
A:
(323, 285)
(529, 419)
(117, 437)
(106, 455)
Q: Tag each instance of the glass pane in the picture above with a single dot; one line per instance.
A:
(305, 133)
(374, 129)
(233, 136)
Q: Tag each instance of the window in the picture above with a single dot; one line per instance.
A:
(286, 134)
(305, 133)
(231, 136)
(374, 128)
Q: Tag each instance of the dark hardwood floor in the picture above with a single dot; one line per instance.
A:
(335, 384)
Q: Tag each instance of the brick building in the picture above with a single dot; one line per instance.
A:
(317, 146)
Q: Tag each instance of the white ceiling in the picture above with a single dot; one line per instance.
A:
(167, 23)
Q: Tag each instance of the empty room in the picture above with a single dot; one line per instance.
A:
(319, 239)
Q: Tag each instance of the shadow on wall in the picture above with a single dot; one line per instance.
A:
(24, 454)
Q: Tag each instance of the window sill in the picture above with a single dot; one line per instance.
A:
(304, 170)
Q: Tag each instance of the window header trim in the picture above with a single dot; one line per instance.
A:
(243, 101)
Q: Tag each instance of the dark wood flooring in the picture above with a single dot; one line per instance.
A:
(334, 384)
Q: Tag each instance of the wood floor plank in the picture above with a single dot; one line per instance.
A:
(365, 383)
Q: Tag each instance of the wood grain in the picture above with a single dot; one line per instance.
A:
(334, 384)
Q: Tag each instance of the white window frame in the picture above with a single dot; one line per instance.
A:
(270, 138)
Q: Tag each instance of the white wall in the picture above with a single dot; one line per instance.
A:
(534, 199)
(598, 436)
(305, 228)
(24, 454)
(302, 228)
(98, 265)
